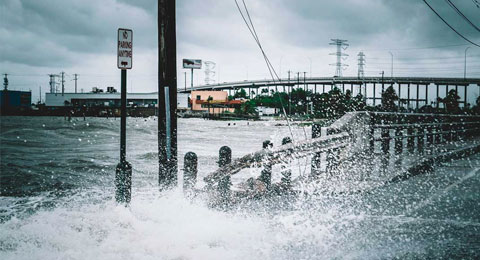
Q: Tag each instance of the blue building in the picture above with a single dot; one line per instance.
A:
(15, 99)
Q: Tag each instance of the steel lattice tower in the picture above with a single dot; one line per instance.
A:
(341, 46)
(209, 72)
(361, 65)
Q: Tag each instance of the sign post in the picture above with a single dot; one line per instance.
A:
(123, 173)
(192, 64)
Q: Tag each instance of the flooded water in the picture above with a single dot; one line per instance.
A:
(56, 201)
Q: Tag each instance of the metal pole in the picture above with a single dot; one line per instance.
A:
(391, 68)
(123, 173)
(123, 119)
(185, 76)
(191, 81)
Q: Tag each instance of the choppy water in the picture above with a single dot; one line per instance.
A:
(56, 201)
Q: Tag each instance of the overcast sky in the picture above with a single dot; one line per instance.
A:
(40, 37)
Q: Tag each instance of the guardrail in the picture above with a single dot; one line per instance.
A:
(360, 132)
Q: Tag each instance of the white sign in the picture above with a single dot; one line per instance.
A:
(192, 64)
(124, 49)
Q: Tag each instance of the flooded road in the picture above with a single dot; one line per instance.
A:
(57, 201)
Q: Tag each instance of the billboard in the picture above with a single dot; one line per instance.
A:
(192, 64)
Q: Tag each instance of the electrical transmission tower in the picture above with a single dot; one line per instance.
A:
(53, 83)
(342, 45)
(361, 65)
(209, 72)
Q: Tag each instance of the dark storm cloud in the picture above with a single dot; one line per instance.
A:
(56, 32)
(49, 32)
(313, 23)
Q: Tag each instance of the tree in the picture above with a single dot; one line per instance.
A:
(240, 94)
(451, 102)
(389, 97)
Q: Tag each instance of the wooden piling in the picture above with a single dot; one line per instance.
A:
(190, 170)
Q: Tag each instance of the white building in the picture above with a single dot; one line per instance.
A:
(108, 99)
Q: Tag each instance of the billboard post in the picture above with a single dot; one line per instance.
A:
(192, 64)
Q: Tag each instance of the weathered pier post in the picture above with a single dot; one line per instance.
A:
(224, 158)
(386, 146)
(286, 174)
(398, 145)
(190, 170)
(410, 139)
(317, 157)
(266, 174)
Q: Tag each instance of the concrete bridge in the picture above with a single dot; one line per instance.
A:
(367, 86)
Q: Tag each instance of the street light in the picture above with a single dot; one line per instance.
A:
(391, 69)
(465, 64)
(310, 66)
(280, 67)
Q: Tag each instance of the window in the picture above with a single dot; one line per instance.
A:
(199, 97)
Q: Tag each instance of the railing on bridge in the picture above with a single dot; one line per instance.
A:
(358, 133)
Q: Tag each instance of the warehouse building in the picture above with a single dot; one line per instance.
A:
(13, 99)
(110, 99)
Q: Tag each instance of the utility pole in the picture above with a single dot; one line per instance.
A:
(40, 91)
(167, 91)
(391, 68)
(63, 82)
(465, 64)
(341, 46)
(76, 78)
(185, 76)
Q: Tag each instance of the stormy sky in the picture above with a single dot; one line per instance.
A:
(40, 37)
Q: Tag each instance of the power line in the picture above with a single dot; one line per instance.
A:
(465, 38)
(462, 15)
(253, 32)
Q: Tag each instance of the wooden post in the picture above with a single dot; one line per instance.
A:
(420, 140)
(190, 170)
(224, 158)
(167, 77)
(386, 142)
(317, 157)
(266, 174)
(286, 140)
(398, 145)
(410, 140)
